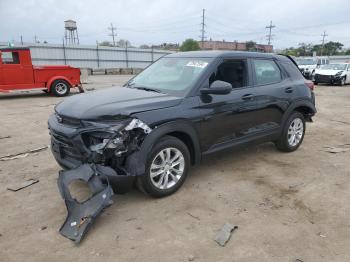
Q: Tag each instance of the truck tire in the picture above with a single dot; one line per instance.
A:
(166, 169)
(60, 88)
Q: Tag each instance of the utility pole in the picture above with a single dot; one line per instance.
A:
(113, 34)
(203, 28)
(35, 39)
(323, 38)
(21, 40)
(269, 36)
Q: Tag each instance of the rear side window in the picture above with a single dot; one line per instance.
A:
(266, 72)
(292, 70)
(10, 57)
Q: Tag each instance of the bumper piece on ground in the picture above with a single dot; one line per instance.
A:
(81, 215)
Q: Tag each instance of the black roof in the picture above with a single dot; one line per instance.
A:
(6, 48)
(215, 54)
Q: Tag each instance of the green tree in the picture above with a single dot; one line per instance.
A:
(330, 48)
(304, 49)
(250, 46)
(105, 43)
(189, 45)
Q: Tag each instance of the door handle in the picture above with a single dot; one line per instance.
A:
(288, 90)
(247, 97)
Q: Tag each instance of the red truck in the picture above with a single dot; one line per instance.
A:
(17, 73)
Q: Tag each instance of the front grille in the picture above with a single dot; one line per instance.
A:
(323, 78)
(64, 147)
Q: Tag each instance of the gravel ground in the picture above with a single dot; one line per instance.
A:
(287, 206)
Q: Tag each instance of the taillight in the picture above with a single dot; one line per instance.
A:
(310, 84)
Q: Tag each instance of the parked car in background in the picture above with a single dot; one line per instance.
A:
(17, 73)
(181, 108)
(308, 65)
(333, 74)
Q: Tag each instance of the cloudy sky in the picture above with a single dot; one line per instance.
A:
(158, 21)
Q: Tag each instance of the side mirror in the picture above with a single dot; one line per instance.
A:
(218, 88)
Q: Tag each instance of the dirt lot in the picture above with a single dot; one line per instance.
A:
(287, 206)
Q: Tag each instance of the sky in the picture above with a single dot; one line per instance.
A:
(154, 22)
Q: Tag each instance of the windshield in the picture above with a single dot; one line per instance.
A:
(307, 61)
(171, 75)
(334, 66)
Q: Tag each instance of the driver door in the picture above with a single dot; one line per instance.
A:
(226, 118)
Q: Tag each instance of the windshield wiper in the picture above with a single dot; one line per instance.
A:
(147, 89)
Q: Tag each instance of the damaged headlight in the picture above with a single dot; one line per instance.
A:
(113, 136)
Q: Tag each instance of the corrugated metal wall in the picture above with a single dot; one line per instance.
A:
(93, 56)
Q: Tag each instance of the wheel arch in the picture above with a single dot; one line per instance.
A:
(181, 129)
(52, 79)
(305, 107)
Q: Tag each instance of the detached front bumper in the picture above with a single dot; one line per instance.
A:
(82, 215)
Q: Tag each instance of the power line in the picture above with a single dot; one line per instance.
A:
(323, 38)
(112, 28)
(269, 36)
(203, 26)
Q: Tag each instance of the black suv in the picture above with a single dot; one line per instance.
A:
(180, 108)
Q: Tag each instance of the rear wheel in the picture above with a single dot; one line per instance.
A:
(293, 133)
(60, 88)
(166, 168)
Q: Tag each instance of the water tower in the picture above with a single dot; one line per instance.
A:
(71, 32)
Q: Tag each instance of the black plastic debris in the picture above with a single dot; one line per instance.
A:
(81, 215)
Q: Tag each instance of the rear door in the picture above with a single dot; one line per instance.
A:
(273, 93)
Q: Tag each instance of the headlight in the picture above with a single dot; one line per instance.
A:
(104, 135)
(339, 73)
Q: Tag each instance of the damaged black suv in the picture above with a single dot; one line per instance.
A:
(182, 107)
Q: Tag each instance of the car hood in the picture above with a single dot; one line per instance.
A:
(327, 72)
(113, 102)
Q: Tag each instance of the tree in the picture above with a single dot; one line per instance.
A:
(144, 46)
(105, 43)
(250, 46)
(123, 43)
(330, 48)
(189, 45)
(305, 49)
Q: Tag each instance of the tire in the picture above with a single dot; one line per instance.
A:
(295, 125)
(163, 179)
(342, 81)
(60, 88)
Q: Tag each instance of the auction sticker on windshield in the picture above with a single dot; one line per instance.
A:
(200, 64)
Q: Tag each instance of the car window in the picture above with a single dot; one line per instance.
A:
(172, 75)
(266, 72)
(10, 57)
(231, 71)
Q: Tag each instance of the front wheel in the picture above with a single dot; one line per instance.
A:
(60, 88)
(343, 81)
(166, 168)
(292, 134)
